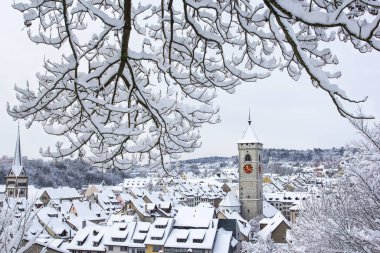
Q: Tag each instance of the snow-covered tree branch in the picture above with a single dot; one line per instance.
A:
(137, 78)
(15, 219)
(347, 218)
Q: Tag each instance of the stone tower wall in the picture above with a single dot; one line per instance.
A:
(250, 185)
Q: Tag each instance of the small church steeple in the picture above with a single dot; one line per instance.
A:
(17, 160)
(17, 179)
(249, 116)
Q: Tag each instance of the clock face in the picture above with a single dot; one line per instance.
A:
(248, 168)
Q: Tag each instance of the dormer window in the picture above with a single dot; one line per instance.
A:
(116, 239)
(64, 233)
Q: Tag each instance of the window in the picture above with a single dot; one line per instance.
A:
(110, 248)
(156, 248)
(123, 248)
(181, 240)
(248, 158)
(197, 240)
(118, 239)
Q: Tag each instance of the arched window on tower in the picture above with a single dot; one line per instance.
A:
(248, 158)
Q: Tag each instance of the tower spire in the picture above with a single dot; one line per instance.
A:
(249, 116)
(18, 157)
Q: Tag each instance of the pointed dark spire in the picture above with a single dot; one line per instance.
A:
(249, 116)
(18, 158)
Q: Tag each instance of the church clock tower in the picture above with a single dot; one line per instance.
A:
(250, 173)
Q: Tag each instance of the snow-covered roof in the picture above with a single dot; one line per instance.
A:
(249, 136)
(205, 205)
(17, 169)
(230, 200)
(56, 245)
(107, 200)
(189, 237)
(119, 234)
(272, 224)
(159, 231)
(223, 241)
(116, 218)
(137, 182)
(139, 235)
(243, 225)
(89, 211)
(195, 217)
(64, 192)
(88, 239)
(54, 221)
(268, 210)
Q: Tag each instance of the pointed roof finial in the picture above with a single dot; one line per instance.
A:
(18, 158)
(249, 116)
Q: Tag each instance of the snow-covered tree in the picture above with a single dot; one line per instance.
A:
(15, 219)
(346, 219)
(264, 246)
(137, 78)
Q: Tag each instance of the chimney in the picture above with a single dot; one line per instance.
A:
(83, 224)
(89, 204)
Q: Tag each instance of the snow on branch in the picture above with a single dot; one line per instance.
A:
(138, 78)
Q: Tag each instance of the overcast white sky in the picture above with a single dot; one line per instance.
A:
(285, 114)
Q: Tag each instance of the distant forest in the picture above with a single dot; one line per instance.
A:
(77, 173)
(74, 173)
(281, 155)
